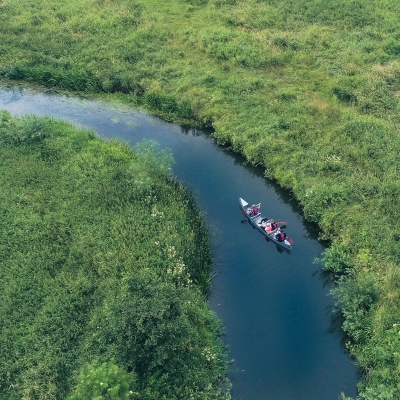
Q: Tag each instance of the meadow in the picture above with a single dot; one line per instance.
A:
(307, 89)
(104, 271)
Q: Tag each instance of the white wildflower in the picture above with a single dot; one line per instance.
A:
(332, 158)
(156, 213)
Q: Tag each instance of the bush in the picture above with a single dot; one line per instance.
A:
(105, 381)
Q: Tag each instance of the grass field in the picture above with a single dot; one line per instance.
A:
(307, 89)
(100, 298)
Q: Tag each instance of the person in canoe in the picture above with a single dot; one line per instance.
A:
(268, 227)
(263, 222)
(274, 225)
(253, 210)
(280, 236)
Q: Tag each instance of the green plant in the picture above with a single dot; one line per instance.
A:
(105, 381)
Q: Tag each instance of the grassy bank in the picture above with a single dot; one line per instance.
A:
(103, 272)
(308, 89)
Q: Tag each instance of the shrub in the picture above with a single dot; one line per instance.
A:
(105, 381)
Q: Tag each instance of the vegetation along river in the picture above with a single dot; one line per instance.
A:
(274, 305)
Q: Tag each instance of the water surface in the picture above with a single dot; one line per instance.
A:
(274, 305)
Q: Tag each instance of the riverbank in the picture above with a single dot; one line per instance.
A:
(94, 288)
(299, 101)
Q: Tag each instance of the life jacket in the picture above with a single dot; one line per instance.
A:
(255, 210)
(274, 225)
(268, 229)
(283, 236)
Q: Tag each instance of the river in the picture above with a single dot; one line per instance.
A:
(275, 306)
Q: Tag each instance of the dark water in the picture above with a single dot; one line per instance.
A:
(275, 307)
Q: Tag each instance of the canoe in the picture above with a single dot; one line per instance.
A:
(256, 221)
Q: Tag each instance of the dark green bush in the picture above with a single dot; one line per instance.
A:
(338, 260)
(354, 299)
(392, 47)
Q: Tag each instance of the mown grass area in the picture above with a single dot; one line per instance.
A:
(104, 269)
(308, 89)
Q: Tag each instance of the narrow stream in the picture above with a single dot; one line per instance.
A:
(274, 305)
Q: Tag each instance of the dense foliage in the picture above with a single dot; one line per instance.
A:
(308, 89)
(104, 269)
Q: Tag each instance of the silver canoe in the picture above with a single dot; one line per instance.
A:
(256, 221)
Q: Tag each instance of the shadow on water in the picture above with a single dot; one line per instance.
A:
(274, 306)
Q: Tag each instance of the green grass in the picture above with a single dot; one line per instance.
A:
(104, 268)
(307, 89)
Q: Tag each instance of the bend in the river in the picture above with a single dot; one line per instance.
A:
(274, 305)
